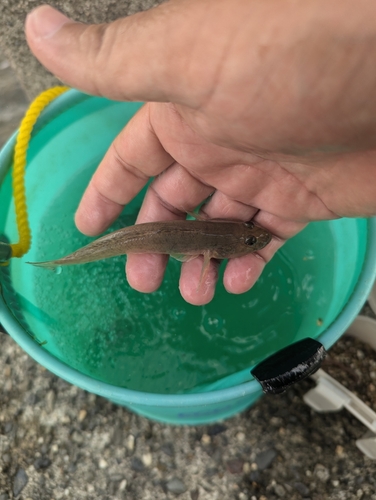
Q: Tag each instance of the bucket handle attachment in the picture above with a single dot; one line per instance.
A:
(329, 396)
(5, 251)
(289, 365)
(19, 165)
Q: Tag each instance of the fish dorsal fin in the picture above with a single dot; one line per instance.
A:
(202, 217)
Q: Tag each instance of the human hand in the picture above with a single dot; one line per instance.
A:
(267, 105)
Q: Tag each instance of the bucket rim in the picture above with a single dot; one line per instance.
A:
(129, 396)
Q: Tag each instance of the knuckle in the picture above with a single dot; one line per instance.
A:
(97, 42)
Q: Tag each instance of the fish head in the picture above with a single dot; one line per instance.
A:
(254, 237)
(241, 238)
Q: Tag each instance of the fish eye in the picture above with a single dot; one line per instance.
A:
(249, 224)
(250, 241)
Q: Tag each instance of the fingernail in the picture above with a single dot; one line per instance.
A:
(45, 21)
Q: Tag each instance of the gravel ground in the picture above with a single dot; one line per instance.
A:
(57, 441)
(33, 76)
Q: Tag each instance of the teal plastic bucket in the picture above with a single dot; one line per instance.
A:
(154, 353)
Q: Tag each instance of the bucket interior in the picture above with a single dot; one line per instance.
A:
(88, 317)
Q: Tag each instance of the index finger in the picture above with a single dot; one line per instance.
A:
(134, 156)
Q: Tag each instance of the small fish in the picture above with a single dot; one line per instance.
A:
(183, 240)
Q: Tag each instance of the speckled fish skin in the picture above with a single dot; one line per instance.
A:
(214, 239)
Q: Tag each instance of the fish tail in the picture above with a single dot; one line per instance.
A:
(49, 264)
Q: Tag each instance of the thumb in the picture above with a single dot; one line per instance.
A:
(135, 58)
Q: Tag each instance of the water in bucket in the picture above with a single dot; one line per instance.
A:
(88, 314)
(88, 317)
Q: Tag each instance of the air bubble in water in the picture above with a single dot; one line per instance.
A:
(212, 323)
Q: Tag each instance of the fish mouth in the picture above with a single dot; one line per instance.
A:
(263, 238)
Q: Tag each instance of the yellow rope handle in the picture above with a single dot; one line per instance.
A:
(19, 165)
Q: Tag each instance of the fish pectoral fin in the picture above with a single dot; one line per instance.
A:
(205, 265)
(182, 257)
(205, 269)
